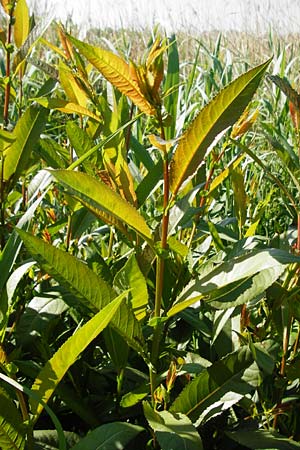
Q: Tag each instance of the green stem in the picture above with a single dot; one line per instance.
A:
(160, 265)
(7, 66)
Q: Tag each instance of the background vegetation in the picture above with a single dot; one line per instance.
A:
(150, 232)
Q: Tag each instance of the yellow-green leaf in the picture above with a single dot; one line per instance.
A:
(54, 369)
(21, 27)
(117, 72)
(92, 192)
(222, 112)
(66, 107)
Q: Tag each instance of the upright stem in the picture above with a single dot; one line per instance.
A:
(7, 67)
(160, 266)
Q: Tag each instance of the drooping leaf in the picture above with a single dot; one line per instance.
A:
(218, 387)
(262, 263)
(66, 106)
(215, 117)
(173, 430)
(54, 370)
(86, 285)
(117, 72)
(26, 133)
(131, 277)
(21, 27)
(263, 439)
(96, 194)
(12, 433)
(111, 436)
(72, 273)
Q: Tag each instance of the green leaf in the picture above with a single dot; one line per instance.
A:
(245, 290)
(131, 277)
(263, 439)
(98, 195)
(38, 314)
(12, 434)
(218, 387)
(48, 439)
(173, 431)
(171, 85)
(54, 369)
(70, 272)
(27, 133)
(111, 436)
(86, 285)
(216, 116)
(65, 106)
(237, 274)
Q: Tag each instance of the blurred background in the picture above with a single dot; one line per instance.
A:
(196, 16)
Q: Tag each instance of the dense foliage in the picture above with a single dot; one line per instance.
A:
(149, 237)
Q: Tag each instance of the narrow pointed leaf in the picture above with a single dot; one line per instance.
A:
(131, 277)
(110, 436)
(223, 111)
(86, 285)
(90, 191)
(218, 387)
(27, 133)
(173, 431)
(21, 28)
(263, 439)
(12, 434)
(54, 370)
(66, 107)
(69, 271)
(117, 72)
(265, 265)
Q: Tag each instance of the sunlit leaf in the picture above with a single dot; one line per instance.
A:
(131, 277)
(26, 133)
(66, 107)
(54, 369)
(21, 27)
(90, 191)
(12, 433)
(215, 117)
(117, 72)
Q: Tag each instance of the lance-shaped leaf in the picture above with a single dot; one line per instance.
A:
(88, 287)
(173, 431)
(109, 436)
(26, 133)
(120, 74)
(12, 432)
(245, 276)
(21, 28)
(54, 370)
(218, 387)
(66, 107)
(69, 271)
(263, 439)
(222, 112)
(98, 195)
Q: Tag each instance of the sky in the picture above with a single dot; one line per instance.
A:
(197, 15)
